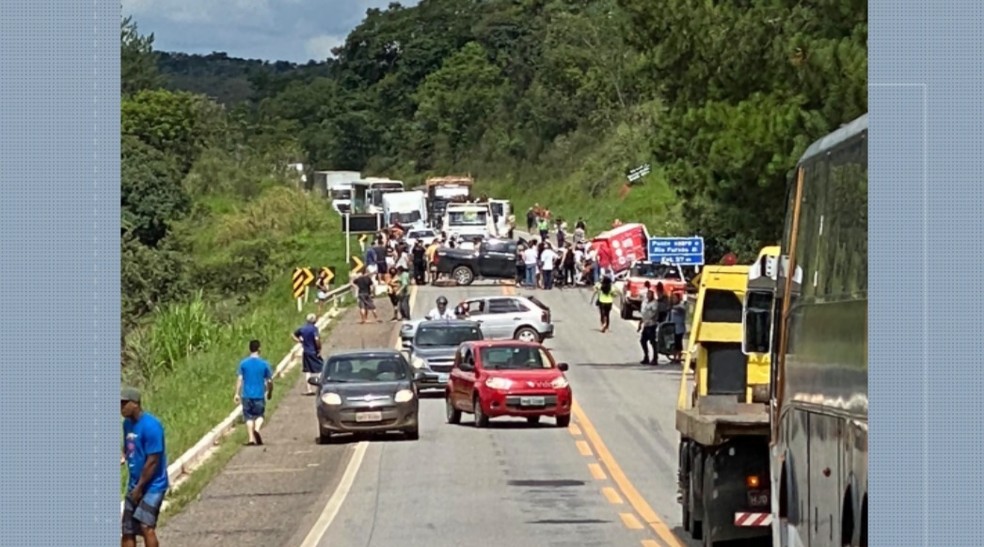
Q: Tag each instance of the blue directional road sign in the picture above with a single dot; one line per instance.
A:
(685, 251)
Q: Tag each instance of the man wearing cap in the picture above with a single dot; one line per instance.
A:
(254, 385)
(146, 459)
(309, 338)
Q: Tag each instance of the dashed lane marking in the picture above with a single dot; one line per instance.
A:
(584, 448)
(630, 521)
(597, 472)
(612, 496)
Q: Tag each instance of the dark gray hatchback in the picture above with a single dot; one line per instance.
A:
(367, 391)
(434, 345)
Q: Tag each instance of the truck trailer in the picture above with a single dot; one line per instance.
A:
(722, 416)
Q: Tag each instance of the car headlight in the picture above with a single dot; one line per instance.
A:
(406, 327)
(417, 362)
(331, 399)
(403, 396)
(499, 383)
(559, 383)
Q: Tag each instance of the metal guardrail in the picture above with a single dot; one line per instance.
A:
(192, 458)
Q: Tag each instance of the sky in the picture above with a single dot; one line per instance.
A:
(273, 30)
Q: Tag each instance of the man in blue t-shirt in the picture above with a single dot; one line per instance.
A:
(254, 385)
(146, 460)
(309, 337)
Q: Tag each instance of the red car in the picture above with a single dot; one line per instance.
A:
(493, 378)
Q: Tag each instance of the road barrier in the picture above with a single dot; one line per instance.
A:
(198, 454)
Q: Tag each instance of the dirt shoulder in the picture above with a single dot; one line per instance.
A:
(266, 495)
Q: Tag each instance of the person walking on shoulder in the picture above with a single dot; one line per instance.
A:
(364, 291)
(647, 328)
(254, 386)
(309, 337)
(145, 456)
(605, 295)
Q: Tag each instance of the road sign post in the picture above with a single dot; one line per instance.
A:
(348, 234)
(682, 251)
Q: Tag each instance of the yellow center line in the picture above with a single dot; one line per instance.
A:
(624, 484)
(597, 472)
(612, 496)
(630, 521)
(583, 447)
(574, 430)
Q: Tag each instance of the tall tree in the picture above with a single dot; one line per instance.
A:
(138, 63)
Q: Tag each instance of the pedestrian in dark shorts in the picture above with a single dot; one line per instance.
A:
(254, 385)
(309, 337)
(364, 292)
(145, 456)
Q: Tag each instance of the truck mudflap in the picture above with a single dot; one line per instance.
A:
(753, 520)
(726, 492)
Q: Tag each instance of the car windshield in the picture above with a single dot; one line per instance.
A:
(433, 337)
(381, 368)
(653, 271)
(515, 358)
(467, 218)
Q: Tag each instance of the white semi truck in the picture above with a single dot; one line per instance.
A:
(409, 209)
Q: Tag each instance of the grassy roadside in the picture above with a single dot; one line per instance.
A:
(190, 350)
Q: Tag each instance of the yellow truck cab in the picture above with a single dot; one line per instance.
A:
(722, 415)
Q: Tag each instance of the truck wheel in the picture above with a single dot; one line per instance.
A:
(463, 275)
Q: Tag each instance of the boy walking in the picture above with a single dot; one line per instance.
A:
(254, 385)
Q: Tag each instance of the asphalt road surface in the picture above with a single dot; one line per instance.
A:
(608, 479)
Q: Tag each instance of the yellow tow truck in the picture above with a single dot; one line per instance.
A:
(722, 412)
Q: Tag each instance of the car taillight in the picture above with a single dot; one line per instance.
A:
(545, 316)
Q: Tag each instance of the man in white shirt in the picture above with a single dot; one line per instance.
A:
(529, 260)
(441, 311)
(547, 260)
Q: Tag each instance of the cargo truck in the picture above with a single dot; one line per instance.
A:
(722, 416)
(444, 190)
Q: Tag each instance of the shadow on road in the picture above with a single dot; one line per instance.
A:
(662, 368)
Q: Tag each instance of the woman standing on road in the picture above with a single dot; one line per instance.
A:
(605, 294)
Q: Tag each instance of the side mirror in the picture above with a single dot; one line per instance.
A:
(563, 367)
(407, 343)
(314, 381)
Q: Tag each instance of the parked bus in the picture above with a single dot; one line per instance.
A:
(819, 387)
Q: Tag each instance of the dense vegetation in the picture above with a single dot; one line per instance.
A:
(213, 221)
(552, 101)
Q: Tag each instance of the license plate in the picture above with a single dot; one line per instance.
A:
(531, 401)
(442, 378)
(369, 417)
(758, 498)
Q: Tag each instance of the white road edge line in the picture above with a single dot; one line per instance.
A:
(334, 504)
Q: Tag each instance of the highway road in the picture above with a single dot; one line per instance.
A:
(608, 479)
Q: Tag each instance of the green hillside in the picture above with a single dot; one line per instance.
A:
(552, 101)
